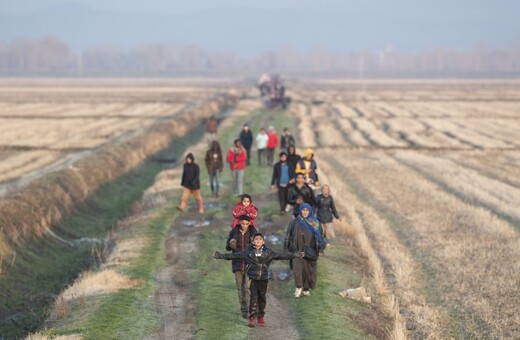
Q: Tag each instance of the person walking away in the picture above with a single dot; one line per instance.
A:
(214, 164)
(326, 210)
(300, 193)
(292, 157)
(244, 207)
(303, 236)
(307, 166)
(282, 177)
(286, 139)
(246, 138)
(272, 144)
(191, 183)
(236, 157)
(240, 239)
(261, 145)
(211, 129)
(258, 258)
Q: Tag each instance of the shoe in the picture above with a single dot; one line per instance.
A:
(307, 293)
(298, 292)
(251, 321)
(180, 208)
(261, 321)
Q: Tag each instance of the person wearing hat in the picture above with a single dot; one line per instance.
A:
(283, 176)
(307, 166)
(239, 239)
(258, 258)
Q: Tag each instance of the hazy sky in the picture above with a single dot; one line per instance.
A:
(259, 25)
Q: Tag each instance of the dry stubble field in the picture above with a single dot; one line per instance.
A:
(426, 172)
(48, 124)
(429, 172)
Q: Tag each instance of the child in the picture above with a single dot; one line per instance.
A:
(326, 208)
(240, 239)
(244, 207)
(258, 258)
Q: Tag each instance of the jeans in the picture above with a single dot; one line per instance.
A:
(238, 181)
(258, 301)
(242, 282)
(282, 197)
(261, 156)
(213, 181)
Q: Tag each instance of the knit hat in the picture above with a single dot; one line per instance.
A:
(308, 153)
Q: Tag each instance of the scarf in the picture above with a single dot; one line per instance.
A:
(311, 221)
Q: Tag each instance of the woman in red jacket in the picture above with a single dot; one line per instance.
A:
(236, 157)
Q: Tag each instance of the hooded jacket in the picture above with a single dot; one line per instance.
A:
(190, 174)
(243, 242)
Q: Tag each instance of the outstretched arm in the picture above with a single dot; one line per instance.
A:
(230, 256)
(283, 255)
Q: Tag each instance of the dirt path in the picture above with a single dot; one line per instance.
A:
(175, 297)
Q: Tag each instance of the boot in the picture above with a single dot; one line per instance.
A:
(261, 321)
(251, 321)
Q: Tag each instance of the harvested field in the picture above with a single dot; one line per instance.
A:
(44, 122)
(424, 173)
(429, 171)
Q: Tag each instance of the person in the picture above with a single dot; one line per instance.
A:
(214, 164)
(240, 239)
(304, 236)
(272, 144)
(261, 145)
(300, 193)
(258, 258)
(292, 157)
(325, 210)
(191, 183)
(211, 129)
(283, 176)
(244, 207)
(307, 166)
(286, 139)
(236, 157)
(246, 138)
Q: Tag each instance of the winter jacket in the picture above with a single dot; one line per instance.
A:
(190, 175)
(277, 173)
(310, 172)
(237, 161)
(213, 163)
(246, 138)
(286, 141)
(299, 235)
(258, 260)
(326, 208)
(240, 210)
(307, 194)
(292, 160)
(272, 141)
(243, 242)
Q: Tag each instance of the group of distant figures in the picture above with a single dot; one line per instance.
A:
(272, 91)
(295, 179)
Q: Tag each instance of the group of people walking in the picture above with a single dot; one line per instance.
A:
(308, 233)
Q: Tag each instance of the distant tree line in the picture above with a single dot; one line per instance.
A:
(50, 56)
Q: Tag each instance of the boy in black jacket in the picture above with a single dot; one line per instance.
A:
(240, 239)
(258, 258)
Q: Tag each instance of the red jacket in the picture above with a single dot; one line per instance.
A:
(272, 142)
(236, 161)
(240, 210)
